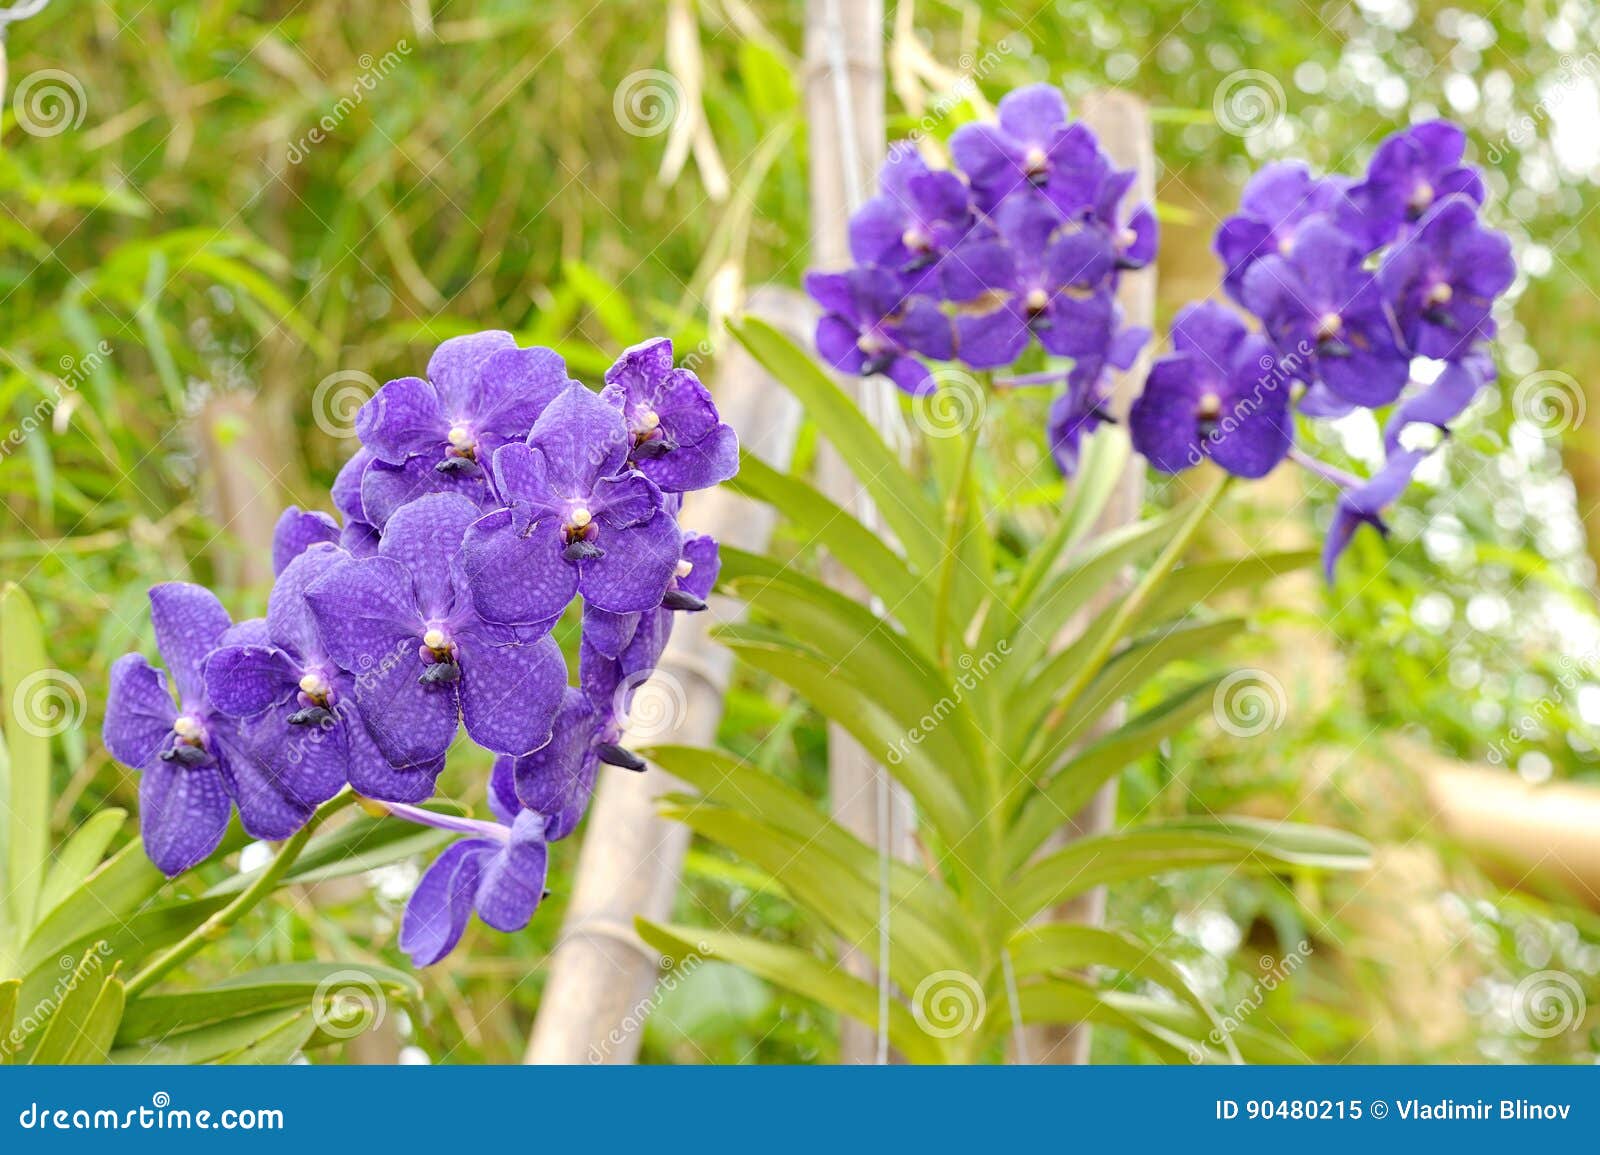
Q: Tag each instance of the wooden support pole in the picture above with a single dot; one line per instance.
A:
(844, 95)
(601, 973)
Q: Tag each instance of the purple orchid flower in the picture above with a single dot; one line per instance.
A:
(435, 435)
(498, 870)
(1031, 146)
(1080, 408)
(1442, 401)
(1057, 287)
(613, 663)
(195, 762)
(1323, 307)
(1444, 277)
(423, 659)
(1134, 238)
(1409, 172)
(297, 530)
(556, 781)
(693, 578)
(1363, 502)
(1220, 394)
(321, 739)
(870, 326)
(1275, 204)
(577, 520)
(676, 438)
(359, 535)
(919, 215)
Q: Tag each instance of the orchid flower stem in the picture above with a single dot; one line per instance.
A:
(1136, 601)
(956, 519)
(266, 882)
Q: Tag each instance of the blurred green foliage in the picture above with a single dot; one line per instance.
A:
(248, 201)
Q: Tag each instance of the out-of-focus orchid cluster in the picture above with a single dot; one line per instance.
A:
(1023, 240)
(1375, 293)
(482, 500)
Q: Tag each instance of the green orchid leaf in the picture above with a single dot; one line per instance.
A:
(799, 972)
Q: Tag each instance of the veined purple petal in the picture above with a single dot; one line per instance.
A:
(608, 632)
(297, 530)
(700, 553)
(183, 812)
(1033, 114)
(457, 365)
(516, 573)
(386, 489)
(245, 680)
(346, 492)
(509, 693)
(512, 884)
(365, 608)
(412, 723)
(370, 773)
(581, 437)
(189, 621)
(139, 711)
(548, 779)
(514, 387)
(401, 420)
(425, 537)
(633, 572)
(290, 622)
(699, 465)
(437, 914)
(267, 808)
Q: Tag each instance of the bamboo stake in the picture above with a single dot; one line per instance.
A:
(1122, 122)
(601, 973)
(844, 81)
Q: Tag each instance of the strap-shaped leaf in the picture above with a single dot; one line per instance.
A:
(121, 885)
(131, 939)
(905, 595)
(842, 899)
(1255, 1044)
(66, 1011)
(881, 662)
(1053, 605)
(912, 515)
(930, 785)
(1051, 731)
(8, 1016)
(79, 855)
(1150, 850)
(1069, 789)
(277, 1046)
(25, 677)
(1099, 470)
(220, 1042)
(738, 785)
(268, 988)
(1063, 1001)
(1190, 585)
(801, 973)
(93, 1044)
(1064, 946)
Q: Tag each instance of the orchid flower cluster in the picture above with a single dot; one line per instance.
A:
(482, 500)
(1023, 240)
(1369, 294)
